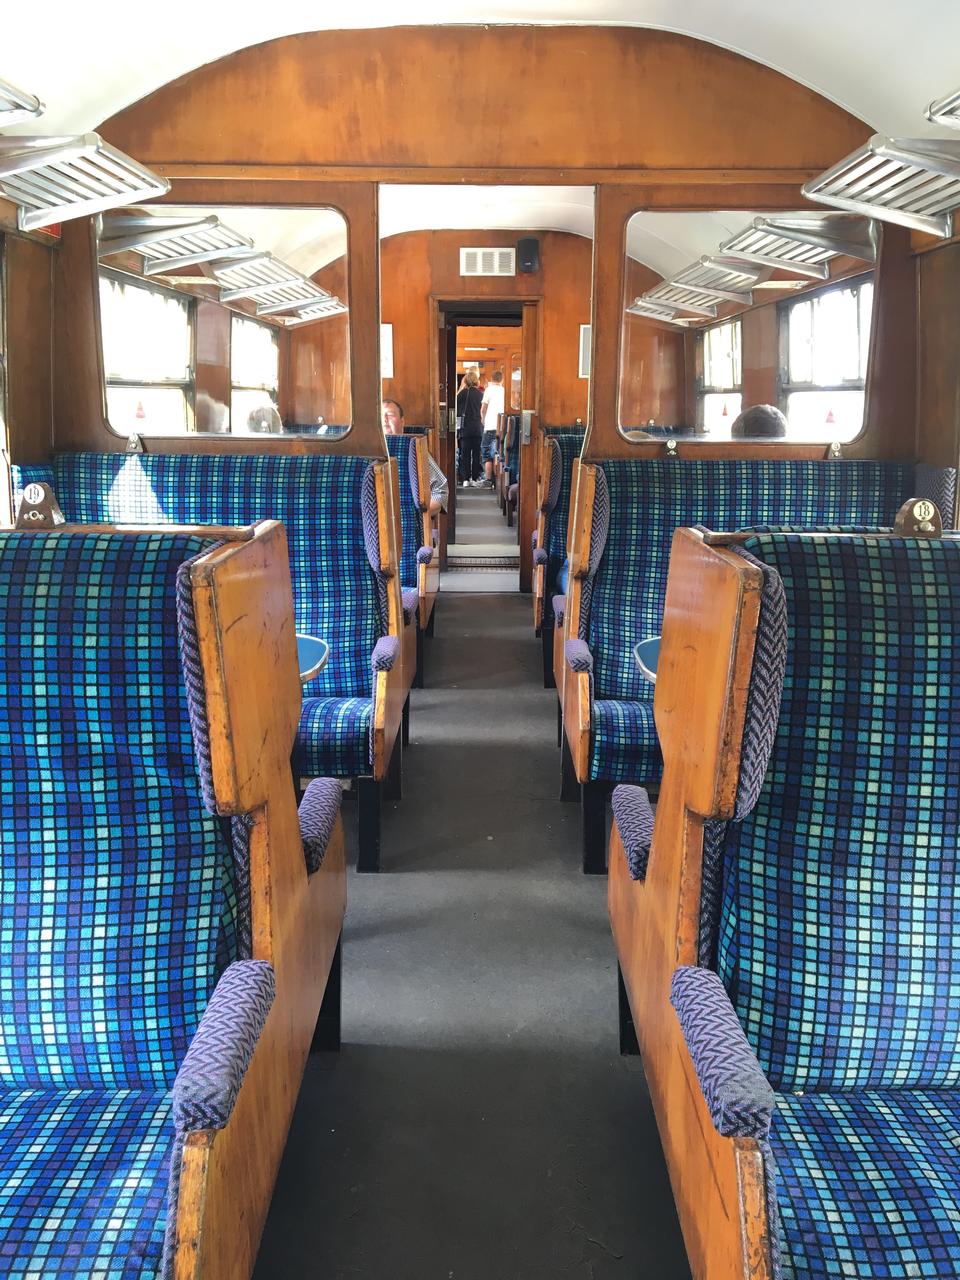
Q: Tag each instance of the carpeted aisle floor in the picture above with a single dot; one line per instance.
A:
(479, 1123)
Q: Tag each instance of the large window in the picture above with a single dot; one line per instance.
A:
(825, 343)
(720, 397)
(147, 356)
(254, 376)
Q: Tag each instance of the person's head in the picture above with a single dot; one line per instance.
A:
(498, 376)
(471, 378)
(265, 419)
(759, 422)
(392, 418)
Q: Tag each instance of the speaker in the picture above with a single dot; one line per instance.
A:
(528, 255)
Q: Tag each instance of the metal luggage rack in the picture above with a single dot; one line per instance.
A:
(915, 183)
(273, 285)
(170, 243)
(945, 110)
(655, 311)
(54, 179)
(804, 246)
(16, 106)
(699, 287)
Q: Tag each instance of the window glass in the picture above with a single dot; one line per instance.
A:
(827, 345)
(255, 377)
(721, 356)
(720, 409)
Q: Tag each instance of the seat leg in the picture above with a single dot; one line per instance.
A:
(405, 723)
(393, 782)
(569, 786)
(368, 823)
(593, 811)
(418, 678)
(326, 1034)
(559, 723)
(510, 510)
(433, 618)
(629, 1044)
(546, 640)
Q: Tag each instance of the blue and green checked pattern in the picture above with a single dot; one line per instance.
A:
(334, 737)
(570, 445)
(838, 937)
(411, 516)
(112, 875)
(651, 498)
(868, 1185)
(83, 1183)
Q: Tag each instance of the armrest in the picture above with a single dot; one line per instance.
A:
(319, 809)
(410, 599)
(424, 555)
(559, 609)
(385, 653)
(540, 556)
(578, 655)
(214, 1066)
(634, 818)
(740, 1101)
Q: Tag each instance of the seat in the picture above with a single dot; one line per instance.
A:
(135, 999)
(627, 514)
(804, 873)
(333, 508)
(419, 572)
(560, 453)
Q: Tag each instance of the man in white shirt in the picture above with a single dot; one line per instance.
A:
(490, 409)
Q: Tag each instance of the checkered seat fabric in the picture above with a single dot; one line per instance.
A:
(567, 447)
(648, 500)
(335, 588)
(117, 901)
(411, 511)
(838, 939)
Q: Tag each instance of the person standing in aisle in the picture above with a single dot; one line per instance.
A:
(490, 410)
(468, 408)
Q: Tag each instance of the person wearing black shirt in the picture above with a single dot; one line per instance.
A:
(469, 401)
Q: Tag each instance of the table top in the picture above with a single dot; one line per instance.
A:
(313, 654)
(647, 655)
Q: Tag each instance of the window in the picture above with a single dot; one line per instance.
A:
(720, 398)
(147, 357)
(826, 342)
(254, 376)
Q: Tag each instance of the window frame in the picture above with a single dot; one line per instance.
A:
(188, 386)
(785, 387)
(702, 387)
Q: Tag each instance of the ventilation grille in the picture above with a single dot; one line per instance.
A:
(53, 179)
(488, 262)
(15, 105)
(914, 183)
(946, 110)
(169, 244)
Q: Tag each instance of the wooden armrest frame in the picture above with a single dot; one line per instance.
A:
(428, 575)
(244, 610)
(390, 688)
(710, 620)
(573, 686)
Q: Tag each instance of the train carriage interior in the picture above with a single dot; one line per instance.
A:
(480, 646)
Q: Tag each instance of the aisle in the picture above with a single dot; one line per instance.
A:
(479, 1123)
(486, 555)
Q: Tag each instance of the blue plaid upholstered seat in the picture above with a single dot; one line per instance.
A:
(335, 589)
(411, 511)
(648, 500)
(117, 910)
(570, 444)
(837, 910)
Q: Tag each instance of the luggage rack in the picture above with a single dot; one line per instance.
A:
(16, 106)
(654, 311)
(273, 285)
(170, 243)
(945, 110)
(804, 246)
(54, 179)
(319, 311)
(915, 183)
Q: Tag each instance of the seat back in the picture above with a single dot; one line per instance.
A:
(839, 912)
(116, 886)
(650, 498)
(318, 498)
(404, 449)
(566, 448)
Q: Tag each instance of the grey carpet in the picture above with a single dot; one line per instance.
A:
(479, 1123)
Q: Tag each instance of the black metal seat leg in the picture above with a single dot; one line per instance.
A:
(405, 723)
(368, 823)
(418, 678)
(393, 782)
(569, 786)
(629, 1044)
(546, 639)
(593, 808)
(559, 723)
(326, 1034)
(433, 618)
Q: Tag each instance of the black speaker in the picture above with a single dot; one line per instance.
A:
(528, 255)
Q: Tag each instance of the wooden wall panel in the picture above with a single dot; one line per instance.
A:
(418, 265)
(938, 368)
(29, 320)
(652, 360)
(319, 383)
(213, 378)
(330, 99)
(760, 355)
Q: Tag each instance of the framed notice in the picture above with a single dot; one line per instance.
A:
(585, 351)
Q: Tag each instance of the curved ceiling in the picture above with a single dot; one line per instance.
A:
(879, 59)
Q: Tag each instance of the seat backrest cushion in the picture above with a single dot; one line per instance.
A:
(569, 444)
(411, 517)
(317, 498)
(650, 498)
(114, 881)
(839, 933)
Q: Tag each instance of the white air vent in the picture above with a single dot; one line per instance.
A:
(488, 262)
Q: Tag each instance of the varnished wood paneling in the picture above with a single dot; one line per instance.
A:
(938, 368)
(652, 360)
(212, 360)
(29, 324)
(760, 355)
(330, 98)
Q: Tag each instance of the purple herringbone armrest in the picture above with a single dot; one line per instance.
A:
(213, 1068)
(634, 818)
(559, 608)
(578, 655)
(410, 598)
(385, 653)
(318, 815)
(740, 1101)
(540, 556)
(424, 555)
